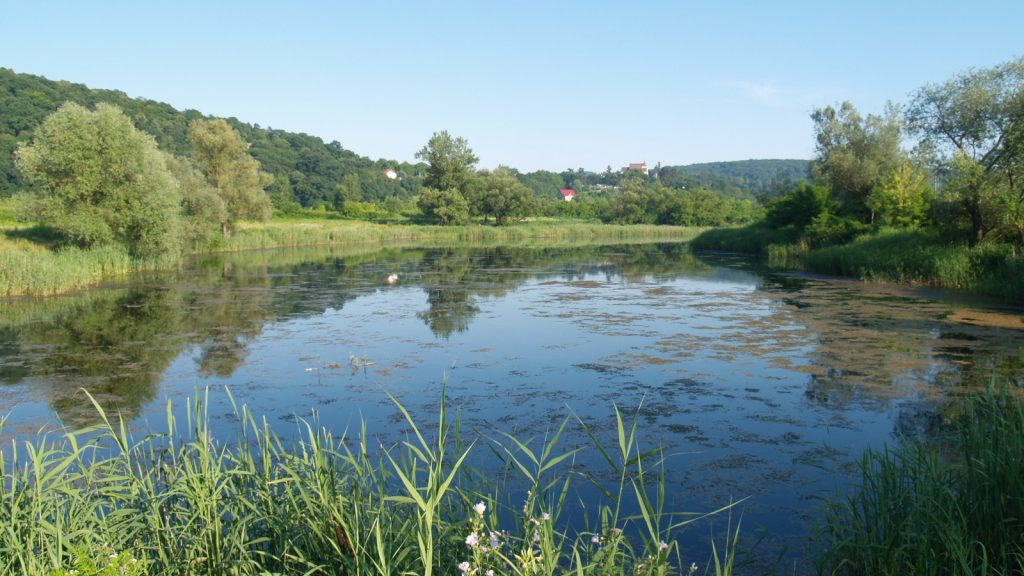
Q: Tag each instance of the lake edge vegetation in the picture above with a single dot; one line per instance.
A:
(100, 501)
(952, 508)
(158, 184)
(949, 212)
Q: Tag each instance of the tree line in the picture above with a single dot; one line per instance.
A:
(307, 173)
(949, 160)
(455, 193)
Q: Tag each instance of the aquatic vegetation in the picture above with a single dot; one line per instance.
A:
(100, 501)
(30, 268)
(927, 510)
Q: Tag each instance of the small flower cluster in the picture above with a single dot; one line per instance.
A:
(482, 543)
(658, 562)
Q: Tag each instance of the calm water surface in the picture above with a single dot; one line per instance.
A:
(760, 385)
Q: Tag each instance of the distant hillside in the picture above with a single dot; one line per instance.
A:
(742, 178)
(305, 169)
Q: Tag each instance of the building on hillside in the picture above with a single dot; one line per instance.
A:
(390, 174)
(637, 167)
(568, 194)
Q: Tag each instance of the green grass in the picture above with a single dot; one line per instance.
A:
(31, 263)
(45, 272)
(752, 239)
(183, 502)
(277, 234)
(922, 510)
(900, 256)
(923, 258)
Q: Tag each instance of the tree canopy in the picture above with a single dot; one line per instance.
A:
(99, 181)
(450, 161)
(220, 153)
(855, 154)
(975, 121)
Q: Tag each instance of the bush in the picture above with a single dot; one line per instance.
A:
(826, 229)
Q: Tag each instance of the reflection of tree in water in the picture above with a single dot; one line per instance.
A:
(454, 278)
(118, 343)
(877, 349)
(116, 349)
(13, 361)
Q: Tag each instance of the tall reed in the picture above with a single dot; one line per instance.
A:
(926, 510)
(33, 269)
(100, 501)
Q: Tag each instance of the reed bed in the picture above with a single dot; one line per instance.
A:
(27, 268)
(928, 510)
(44, 272)
(279, 234)
(923, 258)
(181, 502)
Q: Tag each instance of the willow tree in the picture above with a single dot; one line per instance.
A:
(975, 121)
(223, 156)
(99, 181)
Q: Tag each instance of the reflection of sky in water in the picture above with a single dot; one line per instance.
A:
(763, 390)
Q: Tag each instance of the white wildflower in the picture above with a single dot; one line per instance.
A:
(472, 540)
(480, 508)
(464, 567)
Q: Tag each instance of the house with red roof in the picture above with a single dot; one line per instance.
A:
(568, 194)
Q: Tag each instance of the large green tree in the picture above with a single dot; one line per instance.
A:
(99, 181)
(498, 194)
(223, 156)
(903, 198)
(975, 121)
(450, 160)
(855, 154)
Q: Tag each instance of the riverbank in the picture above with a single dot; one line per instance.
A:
(912, 257)
(32, 265)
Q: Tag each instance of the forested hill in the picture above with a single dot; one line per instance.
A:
(759, 178)
(305, 169)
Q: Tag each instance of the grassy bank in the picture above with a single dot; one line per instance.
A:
(753, 239)
(921, 258)
(184, 503)
(921, 510)
(31, 267)
(900, 256)
(287, 233)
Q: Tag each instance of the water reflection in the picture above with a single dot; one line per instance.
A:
(771, 384)
(117, 343)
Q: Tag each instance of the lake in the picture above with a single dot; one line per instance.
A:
(758, 385)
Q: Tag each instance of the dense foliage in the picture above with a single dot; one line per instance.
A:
(929, 193)
(740, 179)
(99, 182)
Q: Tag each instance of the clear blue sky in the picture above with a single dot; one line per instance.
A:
(530, 84)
